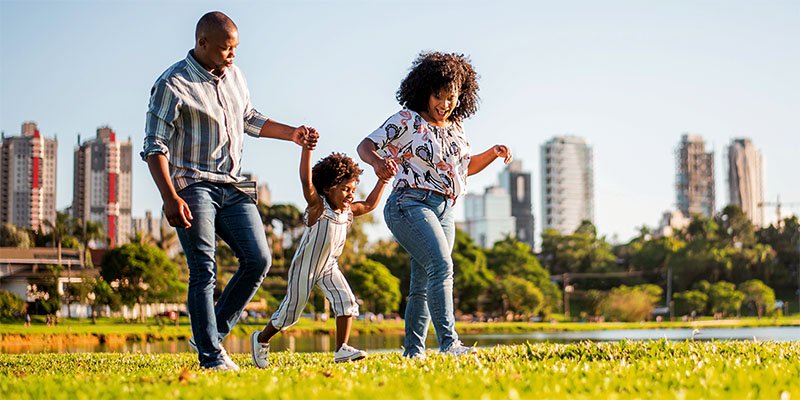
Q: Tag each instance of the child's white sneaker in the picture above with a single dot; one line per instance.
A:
(348, 353)
(260, 351)
(457, 349)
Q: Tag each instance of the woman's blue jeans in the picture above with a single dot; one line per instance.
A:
(423, 223)
(220, 209)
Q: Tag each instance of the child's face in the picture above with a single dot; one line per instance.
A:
(342, 195)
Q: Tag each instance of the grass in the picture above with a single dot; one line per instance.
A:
(625, 370)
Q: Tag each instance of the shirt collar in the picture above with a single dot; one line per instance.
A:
(199, 70)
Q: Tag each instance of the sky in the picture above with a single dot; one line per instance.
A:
(630, 77)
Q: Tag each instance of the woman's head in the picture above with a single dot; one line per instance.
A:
(444, 86)
(336, 177)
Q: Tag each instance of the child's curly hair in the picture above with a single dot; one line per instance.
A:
(433, 72)
(333, 170)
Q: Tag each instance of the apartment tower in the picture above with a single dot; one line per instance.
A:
(518, 185)
(695, 177)
(488, 216)
(746, 179)
(102, 184)
(567, 184)
(28, 179)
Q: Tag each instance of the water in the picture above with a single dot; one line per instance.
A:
(325, 343)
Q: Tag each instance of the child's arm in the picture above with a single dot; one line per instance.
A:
(309, 191)
(480, 161)
(369, 204)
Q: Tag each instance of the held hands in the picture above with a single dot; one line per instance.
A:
(306, 137)
(503, 151)
(177, 212)
(385, 169)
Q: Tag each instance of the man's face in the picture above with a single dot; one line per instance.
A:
(217, 51)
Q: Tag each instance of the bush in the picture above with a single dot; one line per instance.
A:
(630, 304)
(521, 296)
(11, 305)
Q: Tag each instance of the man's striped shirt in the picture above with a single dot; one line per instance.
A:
(198, 121)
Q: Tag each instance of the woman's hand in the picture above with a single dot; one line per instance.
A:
(385, 169)
(502, 151)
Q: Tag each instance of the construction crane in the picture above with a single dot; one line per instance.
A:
(777, 204)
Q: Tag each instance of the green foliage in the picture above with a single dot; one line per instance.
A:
(373, 283)
(472, 276)
(581, 251)
(691, 300)
(142, 273)
(44, 288)
(626, 303)
(11, 236)
(11, 305)
(510, 257)
(625, 370)
(520, 296)
(759, 295)
(389, 253)
(724, 298)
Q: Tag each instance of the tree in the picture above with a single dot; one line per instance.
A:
(44, 288)
(472, 276)
(374, 284)
(520, 296)
(11, 305)
(691, 300)
(142, 273)
(581, 251)
(59, 229)
(514, 258)
(11, 236)
(759, 295)
(86, 232)
(389, 253)
(630, 304)
(784, 238)
(724, 298)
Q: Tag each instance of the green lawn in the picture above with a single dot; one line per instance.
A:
(625, 370)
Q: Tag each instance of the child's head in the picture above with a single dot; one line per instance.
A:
(448, 78)
(336, 178)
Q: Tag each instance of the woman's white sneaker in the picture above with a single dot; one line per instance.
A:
(260, 351)
(229, 363)
(348, 353)
(457, 349)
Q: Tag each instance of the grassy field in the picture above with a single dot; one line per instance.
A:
(625, 370)
(116, 330)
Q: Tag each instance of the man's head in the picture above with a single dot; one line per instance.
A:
(216, 38)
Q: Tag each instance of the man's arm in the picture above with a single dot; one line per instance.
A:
(480, 161)
(300, 135)
(175, 209)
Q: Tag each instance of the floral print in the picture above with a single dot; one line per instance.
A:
(429, 157)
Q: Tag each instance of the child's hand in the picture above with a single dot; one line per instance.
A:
(385, 169)
(305, 137)
(503, 151)
(311, 139)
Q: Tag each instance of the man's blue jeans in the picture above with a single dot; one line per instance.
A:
(220, 209)
(423, 223)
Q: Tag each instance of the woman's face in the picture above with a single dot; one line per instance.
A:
(441, 106)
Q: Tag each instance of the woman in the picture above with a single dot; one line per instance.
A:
(425, 145)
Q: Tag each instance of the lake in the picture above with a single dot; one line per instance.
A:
(325, 343)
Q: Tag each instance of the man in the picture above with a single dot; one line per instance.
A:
(199, 111)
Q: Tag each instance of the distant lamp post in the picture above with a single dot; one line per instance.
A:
(567, 290)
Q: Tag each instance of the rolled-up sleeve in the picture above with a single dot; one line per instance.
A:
(162, 113)
(253, 120)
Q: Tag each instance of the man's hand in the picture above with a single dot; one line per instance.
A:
(305, 136)
(503, 151)
(385, 169)
(177, 212)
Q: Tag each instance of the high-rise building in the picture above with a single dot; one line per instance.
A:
(28, 179)
(488, 216)
(695, 177)
(746, 179)
(518, 185)
(567, 184)
(102, 184)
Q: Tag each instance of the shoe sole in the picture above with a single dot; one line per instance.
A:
(341, 360)
(253, 343)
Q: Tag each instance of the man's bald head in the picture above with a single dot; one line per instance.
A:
(213, 24)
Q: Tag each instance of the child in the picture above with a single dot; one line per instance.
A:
(328, 189)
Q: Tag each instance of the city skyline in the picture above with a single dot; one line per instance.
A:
(628, 77)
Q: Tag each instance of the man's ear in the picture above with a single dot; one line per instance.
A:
(202, 42)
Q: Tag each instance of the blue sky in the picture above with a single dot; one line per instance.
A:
(628, 76)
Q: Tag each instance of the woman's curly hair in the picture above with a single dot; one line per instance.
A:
(333, 170)
(433, 72)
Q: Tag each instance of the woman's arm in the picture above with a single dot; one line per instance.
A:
(480, 161)
(385, 168)
(369, 204)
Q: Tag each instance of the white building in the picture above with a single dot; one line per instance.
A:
(102, 184)
(695, 177)
(746, 179)
(518, 185)
(567, 184)
(488, 216)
